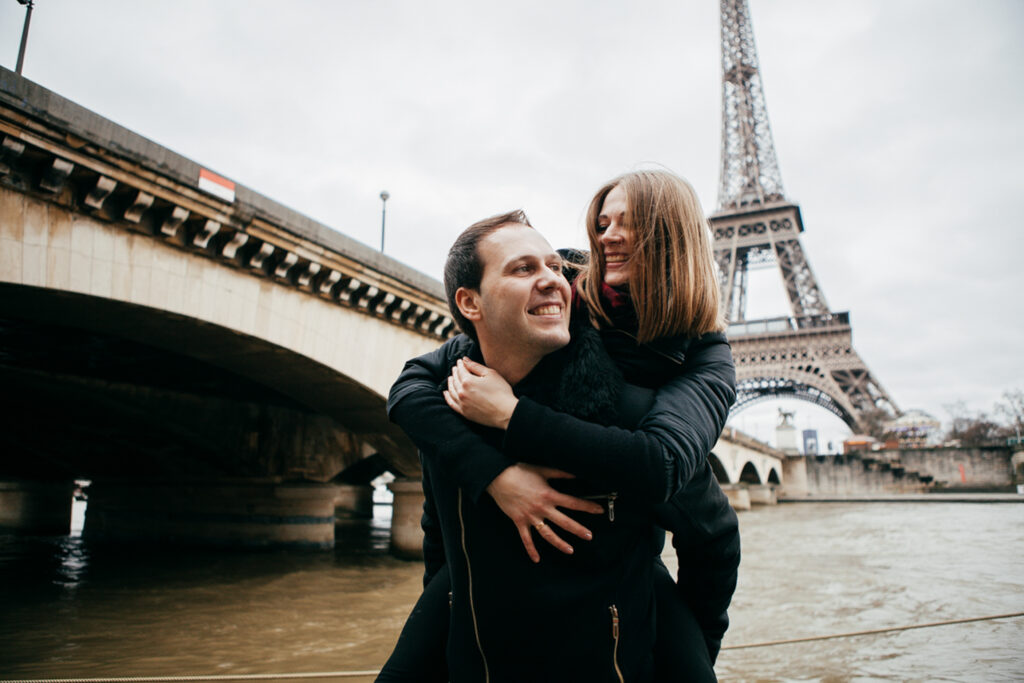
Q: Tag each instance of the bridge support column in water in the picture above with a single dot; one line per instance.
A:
(407, 508)
(738, 496)
(229, 513)
(36, 507)
(794, 473)
(762, 494)
(354, 500)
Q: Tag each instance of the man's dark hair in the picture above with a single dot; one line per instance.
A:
(465, 268)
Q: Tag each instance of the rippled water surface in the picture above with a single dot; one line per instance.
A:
(816, 569)
(70, 609)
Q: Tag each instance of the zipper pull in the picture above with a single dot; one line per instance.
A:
(611, 506)
(615, 621)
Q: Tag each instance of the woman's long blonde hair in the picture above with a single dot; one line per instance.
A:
(672, 280)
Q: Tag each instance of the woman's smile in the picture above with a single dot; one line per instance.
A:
(615, 237)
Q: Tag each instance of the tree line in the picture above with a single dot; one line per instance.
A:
(967, 428)
(979, 428)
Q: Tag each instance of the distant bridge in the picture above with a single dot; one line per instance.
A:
(750, 471)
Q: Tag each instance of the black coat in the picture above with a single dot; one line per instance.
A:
(666, 459)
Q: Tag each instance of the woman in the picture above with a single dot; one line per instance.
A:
(650, 292)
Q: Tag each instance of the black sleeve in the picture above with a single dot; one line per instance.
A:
(706, 539)
(660, 456)
(433, 544)
(416, 404)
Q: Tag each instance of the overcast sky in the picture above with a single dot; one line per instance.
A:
(897, 125)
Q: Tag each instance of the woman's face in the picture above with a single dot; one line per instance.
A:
(615, 238)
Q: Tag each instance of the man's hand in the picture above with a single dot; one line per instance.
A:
(480, 394)
(522, 492)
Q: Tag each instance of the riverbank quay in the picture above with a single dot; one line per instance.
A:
(912, 498)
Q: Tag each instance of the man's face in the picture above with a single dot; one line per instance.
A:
(523, 298)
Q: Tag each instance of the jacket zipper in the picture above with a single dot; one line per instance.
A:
(615, 637)
(472, 608)
(610, 497)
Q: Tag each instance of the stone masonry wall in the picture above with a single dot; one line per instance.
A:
(855, 475)
(982, 467)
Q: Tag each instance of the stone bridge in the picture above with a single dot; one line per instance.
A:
(214, 362)
(748, 470)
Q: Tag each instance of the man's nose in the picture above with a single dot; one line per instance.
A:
(548, 279)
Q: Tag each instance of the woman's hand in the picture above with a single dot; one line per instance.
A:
(524, 495)
(480, 394)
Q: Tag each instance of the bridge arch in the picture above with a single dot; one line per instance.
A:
(718, 469)
(749, 474)
(71, 270)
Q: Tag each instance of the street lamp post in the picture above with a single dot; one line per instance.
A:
(384, 196)
(24, 34)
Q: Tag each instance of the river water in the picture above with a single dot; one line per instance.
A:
(73, 610)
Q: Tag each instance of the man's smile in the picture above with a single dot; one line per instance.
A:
(546, 309)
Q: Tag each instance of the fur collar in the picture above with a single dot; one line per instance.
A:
(580, 379)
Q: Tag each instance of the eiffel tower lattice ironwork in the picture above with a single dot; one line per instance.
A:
(808, 355)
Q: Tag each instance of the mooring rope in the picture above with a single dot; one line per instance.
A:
(181, 679)
(870, 632)
(352, 674)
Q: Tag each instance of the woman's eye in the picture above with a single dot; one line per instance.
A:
(601, 228)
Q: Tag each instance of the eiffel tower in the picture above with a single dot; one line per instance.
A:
(809, 354)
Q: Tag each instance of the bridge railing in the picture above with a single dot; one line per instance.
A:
(64, 154)
(789, 324)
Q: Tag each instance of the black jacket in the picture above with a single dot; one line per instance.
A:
(665, 456)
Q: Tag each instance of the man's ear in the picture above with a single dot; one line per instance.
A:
(468, 301)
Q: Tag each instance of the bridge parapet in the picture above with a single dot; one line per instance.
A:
(56, 150)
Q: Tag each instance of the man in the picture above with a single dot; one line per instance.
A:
(512, 618)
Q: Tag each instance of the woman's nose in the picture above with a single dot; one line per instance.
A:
(612, 234)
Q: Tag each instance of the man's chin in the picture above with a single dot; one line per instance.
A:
(556, 340)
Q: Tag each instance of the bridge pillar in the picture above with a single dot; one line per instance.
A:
(354, 500)
(36, 507)
(234, 513)
(406, 511)
(1017, 463)
(794, 474)
(738, 496)
(762, 494)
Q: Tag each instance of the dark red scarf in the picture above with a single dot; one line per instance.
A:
(616, 303)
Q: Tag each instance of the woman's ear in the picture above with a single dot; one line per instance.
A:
(468, 301)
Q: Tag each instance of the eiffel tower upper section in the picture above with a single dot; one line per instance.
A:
(809, 354)
(750, 171)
